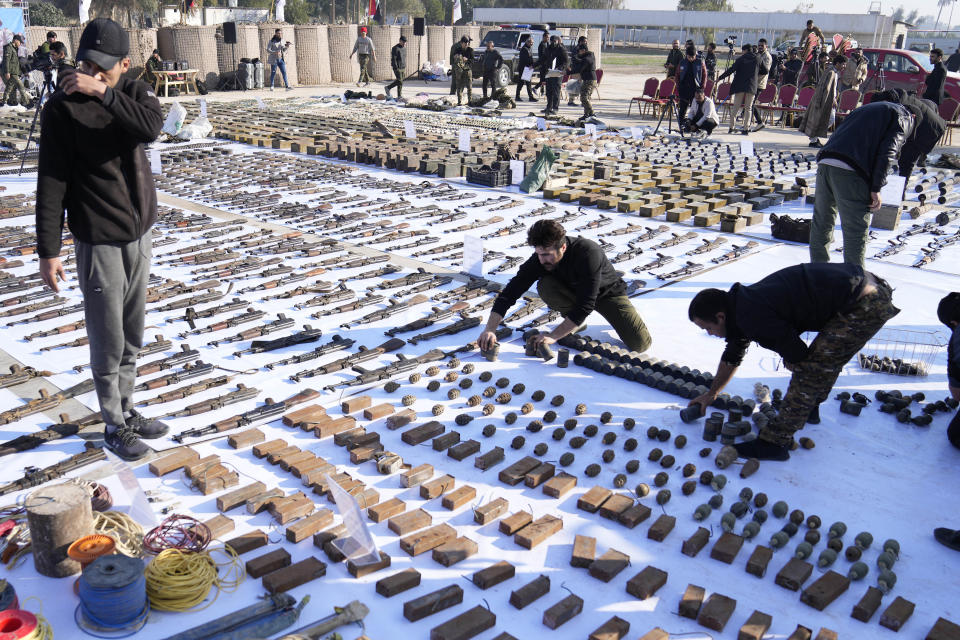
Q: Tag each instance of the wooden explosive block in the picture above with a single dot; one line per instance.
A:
(690, 601)
(237, 497)
(386, 510)
(458, 497)
(655, 634)
(356, 403)
(489, 512)
(564, 610)
(825, 590)
(538, 531)
(446, 440)
(706, 219)
(465, 626)
(868, 605)
(592, 500)
(613, 629)
(515, 522)
(305, 528)
(794, 574)
(409, 522)
(530, 592)
(398, 583)
(247, 542)
(494, 574)
(826, 634)
(801, 633)
(316, 475)
(216, 479)
(633, 516)
(539, 475)
(897, 614)
(245, 438)
(288, 509)
(515, 473)
(727, 547)
(416, 476)
(334, 427)
(614, 506)
(274, 457)
(559, 485)
(401, 419)
(287, 462)
(661, 528)
(417, 543)
(291, 577)
(376, 412)
(489, 459)
(584, 551)
(420, 608)
(943, 629)
(305, 414)
(755, 627)
(759, 559)
(646, 583)
(463, 449)
(716, 611)
(692, 545)
(437, 487)
(453, 551)
(267, 563)
(176, 460)
(220, 525)
(608, 565)
(422, 433)
(361, 570)
(264, 449)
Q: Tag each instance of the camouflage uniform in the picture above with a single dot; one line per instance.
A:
(12, 85)
(839, 340)
(587, 88)
(463, 75)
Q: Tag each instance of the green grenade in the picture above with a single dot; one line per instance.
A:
(892, 546)
(779, 539)
(760, 500)
(804, 549)
(812, 536)
(863, 540)
(719, 482)
(663, 496)
(886, 580)
(837, 529)
(858, 570)
(751, 529)
(790, 529)
(746, 494)
(886, 560)
(702, 512)
(827, 557)
(780, 509)
(739, 509)
(728, 521)
(760, 516)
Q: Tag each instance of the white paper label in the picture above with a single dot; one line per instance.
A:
(541, 124)
(358, 544)
(516, 171)
(260, 104)
(343, 99)
(409, 130)
(636, 133)
(746, 147)
(464, 141)
(156, 167)
(591, 129)
(473, 255)
(527, 74)
(892, 192)
(203, 107)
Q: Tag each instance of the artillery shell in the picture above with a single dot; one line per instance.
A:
(739, 509)
(414, 378)
(408, 400)
(556, 401)
(853, 553)
(630, 444)
(790, 529)
(719, 482)
(619, 480)
(468, 368)
(837, 529)
(609, 437)
(886, 560)
(706, 451)
(549, 416)
(858, 570)
(606, 417)
(592, 470)
(826, 558)
(663, 435)
(432, 371)
(689, 469)
(667, 461)
(580, 409)
(540, 449)
(535, 426)
(813, 522)
(780, 508)
(489, 392)
(663, 496)
(391, 386)
(661, 479)
(892, 546)
(642, 490)
(488, 430)
(760, 516)
(653, 432)
(688, 487)
(518, 388)
(437, 409)
(608, 455)
(706, 477)
(728, 521)
(485, 376)
(539, 395)
(760, 500)
(633, 466)
(779, 539)
(803, 550)
(863, 540)
(502, 383)
(590, 430)
(465, 383)
(797, 517)
(510, 418)
(886, 580)
(463, 419)
(451, 376)
(453, 394)
(433, 385)
(751, 529)
(526, 408)
(518, 442)
(812, 536)
(654, 455)
(629, 424)
(566, 459)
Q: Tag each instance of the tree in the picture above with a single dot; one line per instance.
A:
(47, 14)
(432, 11)
(296, 12)
(707, 35)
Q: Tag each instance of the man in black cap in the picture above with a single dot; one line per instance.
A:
(462, 43)
(398, 62)
(93, 166)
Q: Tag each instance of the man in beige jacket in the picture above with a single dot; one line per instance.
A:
(855, 72)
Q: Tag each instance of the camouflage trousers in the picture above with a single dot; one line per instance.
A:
(364, 59)
(839, 340)
(587, 88)
(464, 82)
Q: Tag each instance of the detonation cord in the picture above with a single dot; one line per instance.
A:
(41, 628)
(180, 580)
(124, 530)
(178, 532)
(120, 611)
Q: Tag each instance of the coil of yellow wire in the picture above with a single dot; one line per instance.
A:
(180, 580)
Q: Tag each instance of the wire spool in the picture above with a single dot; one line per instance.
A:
(88, 548)
(113, 597)
(8, 597)
(439, 43)
(125, 531)
(340, 38)
(384, 37)
(16, 624)
(313, 58)
(57, 516)
(181, 580)
(178, 532)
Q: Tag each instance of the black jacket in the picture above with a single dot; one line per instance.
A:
(776, 310)
(745, 70)
(584, 268)
(791, 71)
(869, 139)
(674, 56)
(586, 65)
(398, 58)
(491, 60)
(928, 128)
(526, 59)
(555, 58)
(690, 77)
(93, 166)
(953, 62)
(935, 82)
(542, 52)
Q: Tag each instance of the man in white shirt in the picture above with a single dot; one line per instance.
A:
(702, 115)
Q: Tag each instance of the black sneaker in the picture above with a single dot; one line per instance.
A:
(145, 427)
(126, 443)
(816, 144)
(947, 537)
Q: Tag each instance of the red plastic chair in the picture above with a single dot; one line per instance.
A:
(648, 97)
(721, 99)
(948, 110)
(868, 97)
(849, 100)
(708, 87)
(785, 98)
(766, 97)
(596, 87)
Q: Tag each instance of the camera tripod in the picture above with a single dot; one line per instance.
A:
(46, 90)
(670, 110)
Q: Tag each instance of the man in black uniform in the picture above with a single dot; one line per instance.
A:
(936, 79)
(674, 56)
(93, 166)
(398, 62)
(575, 278)
(844, 304)
(541, 58)
(587, 67)
(526, 62)
(555, 59)
(492, 61)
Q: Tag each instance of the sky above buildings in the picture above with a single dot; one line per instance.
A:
(925, 7)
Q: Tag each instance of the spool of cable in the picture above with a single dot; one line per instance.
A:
(16, 624)
(88, 548)
(8, 597)
(113, 597)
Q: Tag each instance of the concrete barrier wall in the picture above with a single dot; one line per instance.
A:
(313, 54)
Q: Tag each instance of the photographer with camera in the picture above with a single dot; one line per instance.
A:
(855, 72)
(44, 49)
(745, 71)
(10, 69)
(276, 49)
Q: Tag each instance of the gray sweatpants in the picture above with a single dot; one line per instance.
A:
(843, 190)
(113, 279)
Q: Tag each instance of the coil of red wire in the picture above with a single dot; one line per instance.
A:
(178, 532)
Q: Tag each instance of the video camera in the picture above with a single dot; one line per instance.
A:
(730, 41)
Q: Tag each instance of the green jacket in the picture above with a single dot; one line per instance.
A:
(43, 49)
(11, 61)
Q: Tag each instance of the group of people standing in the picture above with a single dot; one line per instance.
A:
(50, 55)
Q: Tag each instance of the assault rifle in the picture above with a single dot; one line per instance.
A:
(45, 402)
(422, 323)
(402, 365)
(280, 282)
(539, 211)
(64, 429)
(192, 314)
(182, 392)
(362, 355)
(189, 371)
(309, 334)
(507, 264)
(34, 477)
(505, 231)
(241, 393)
(460, 325)
(186, 355)
(30, 308)
(896, 246)
(433, 283)
(475, 225)
(532, 304)
(367, 300)
(376, 273)
(436, 250)
(622, 231)
(632, 252)
(27, 297)
(79, 342)
(656, 264)
(735, 252)
(210, 296)
(268, 411)
(487, 202)
(453, 216)
(421, 242)
(282, 322)
(395, 307)
(506, 205)
(708, 245)
(67, 328)
(685, 270)
(549, 316)
(502, 333)
(675, 240)
(339, 295)
(419, 275)
(602, 221)
(19, 374)
(336, 344)
(179, 289)
(250, 315)
(473, 288)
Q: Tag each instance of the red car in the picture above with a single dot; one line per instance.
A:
(903, 69)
